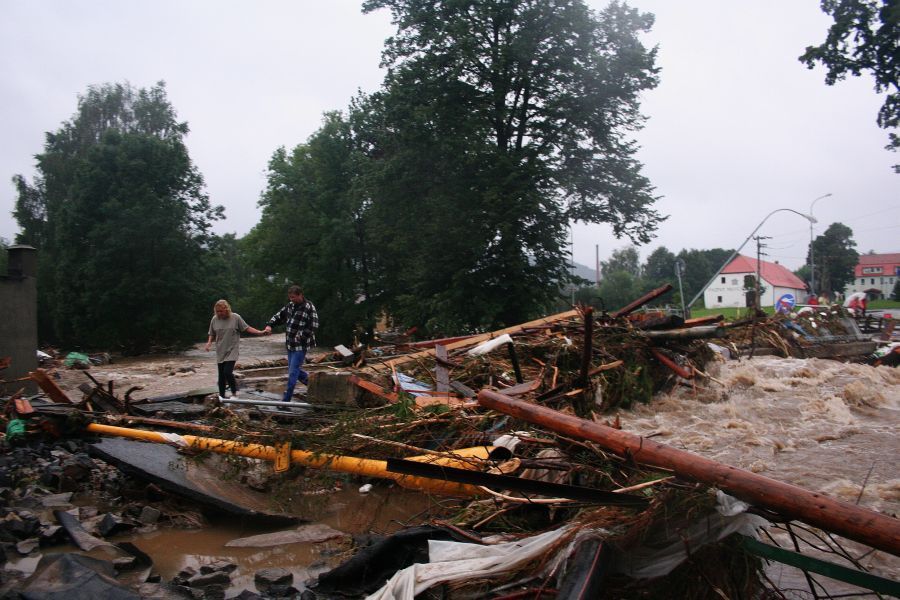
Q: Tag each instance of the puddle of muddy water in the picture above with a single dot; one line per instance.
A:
(383, 510)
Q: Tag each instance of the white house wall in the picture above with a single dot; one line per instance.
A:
(731, 293)
(726, 295)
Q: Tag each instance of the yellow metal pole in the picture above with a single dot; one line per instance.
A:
(465, 458)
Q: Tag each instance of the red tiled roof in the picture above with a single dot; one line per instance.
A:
(888, 262)
(777, 275)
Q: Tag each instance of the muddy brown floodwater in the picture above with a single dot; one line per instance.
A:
(823, 425)
(819, 424)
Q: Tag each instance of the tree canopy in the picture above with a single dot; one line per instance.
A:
(865, 38)
(121, 222)
(499, 123)
(835, 257)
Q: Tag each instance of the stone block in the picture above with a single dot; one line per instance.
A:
(332, 387)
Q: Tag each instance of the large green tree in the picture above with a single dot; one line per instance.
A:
(835, 257)
(501, 122)
(624, 259)
(865, 38)
(659, 267)
(121, 222)
(700, 266)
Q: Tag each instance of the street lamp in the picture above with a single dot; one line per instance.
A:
(809, 218)
(812, 257)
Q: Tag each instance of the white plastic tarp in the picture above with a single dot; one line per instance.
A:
(455, 561)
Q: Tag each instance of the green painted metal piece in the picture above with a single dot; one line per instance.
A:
(821, 567)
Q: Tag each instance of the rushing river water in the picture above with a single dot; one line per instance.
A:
(819, 424)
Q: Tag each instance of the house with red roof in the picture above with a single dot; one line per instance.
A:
(875, 274)
(728, 290)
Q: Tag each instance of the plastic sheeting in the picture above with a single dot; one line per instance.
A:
(490, 345)
(455, 561)
(659, 557)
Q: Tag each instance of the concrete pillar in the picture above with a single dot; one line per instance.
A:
(18, 317)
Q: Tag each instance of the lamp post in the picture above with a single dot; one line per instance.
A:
(809, 218)
(812, 257)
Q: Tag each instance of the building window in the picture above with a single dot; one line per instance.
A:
(872, 281)
(868, 270)
(719, 299)
(723, 281)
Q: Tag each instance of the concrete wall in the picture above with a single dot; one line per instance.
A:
(18, 317)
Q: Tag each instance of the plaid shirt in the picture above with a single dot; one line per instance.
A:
(301, 322)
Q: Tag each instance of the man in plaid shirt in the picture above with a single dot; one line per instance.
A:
(301, 321)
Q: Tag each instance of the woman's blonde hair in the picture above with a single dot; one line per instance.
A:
(222, 303)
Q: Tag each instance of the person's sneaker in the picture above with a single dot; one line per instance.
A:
(221, 398)
(235, 395)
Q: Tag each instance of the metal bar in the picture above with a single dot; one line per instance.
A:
(267, 403)
(821, 567)
(507, 482)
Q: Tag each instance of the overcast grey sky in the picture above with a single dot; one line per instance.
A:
(737, 127)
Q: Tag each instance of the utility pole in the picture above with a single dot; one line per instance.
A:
(597, 263)
(759, 254)
(757, 308)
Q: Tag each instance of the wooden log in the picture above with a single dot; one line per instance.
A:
(651, 295)
(691, 333)
(675, 367)
(853, 522)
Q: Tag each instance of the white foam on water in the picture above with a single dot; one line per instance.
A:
(820, 424)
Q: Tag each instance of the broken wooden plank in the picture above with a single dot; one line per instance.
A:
(40, 377)
(374, 388)
(441, 374)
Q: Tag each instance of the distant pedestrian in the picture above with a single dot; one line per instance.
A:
(857, 303)
(225, 329)
(301, 321)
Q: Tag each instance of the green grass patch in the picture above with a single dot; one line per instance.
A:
(885, 304)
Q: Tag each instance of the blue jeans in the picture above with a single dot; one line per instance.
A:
(295, 360)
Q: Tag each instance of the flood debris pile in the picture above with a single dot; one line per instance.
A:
(535, 493)
(812, 332)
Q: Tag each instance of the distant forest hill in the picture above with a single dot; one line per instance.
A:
(585, 272)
